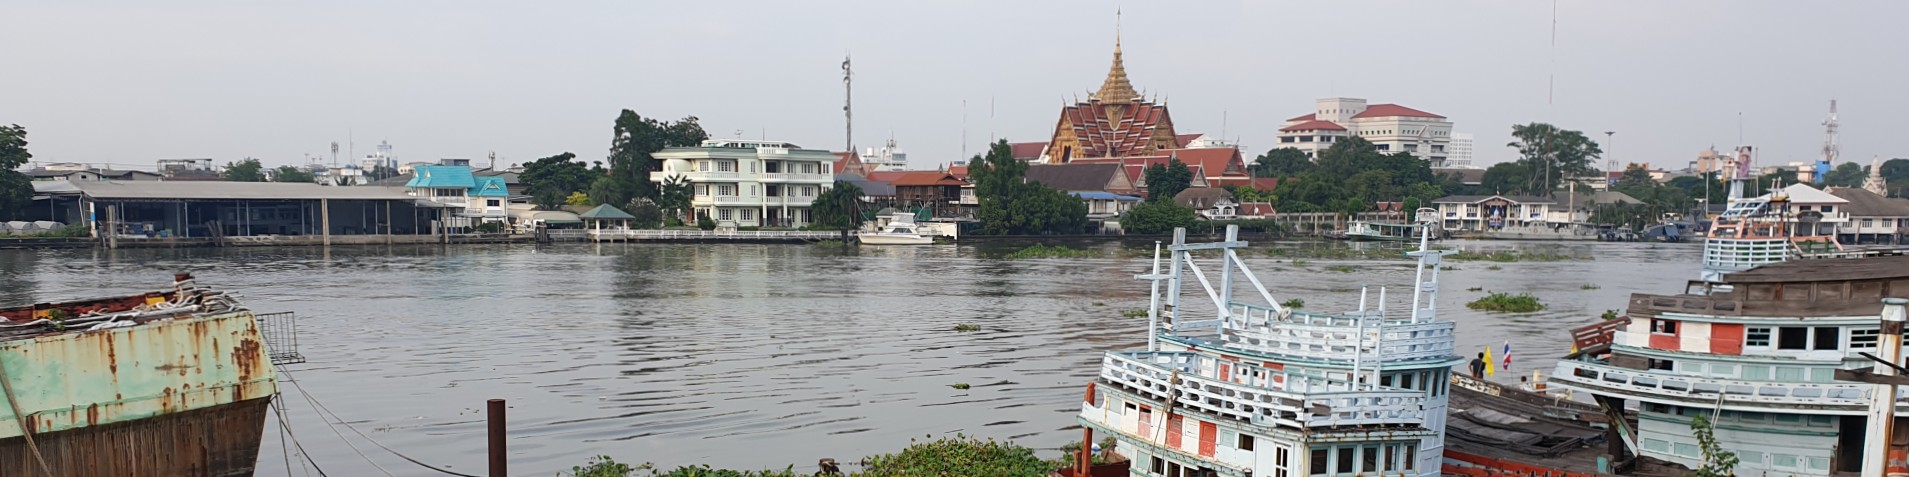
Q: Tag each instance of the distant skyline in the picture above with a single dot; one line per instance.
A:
(128, 83)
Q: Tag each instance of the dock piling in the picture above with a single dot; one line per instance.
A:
(500, 464)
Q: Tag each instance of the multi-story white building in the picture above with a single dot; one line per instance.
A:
(886, 158)
(1391, 127)
(1459, 151)
(750, 183)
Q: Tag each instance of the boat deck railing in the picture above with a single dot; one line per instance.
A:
(1275, 397)
(1336, 337)
(1736, 393)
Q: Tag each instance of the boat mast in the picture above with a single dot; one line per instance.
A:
(1427, 258)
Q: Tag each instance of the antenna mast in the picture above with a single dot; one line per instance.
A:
(848, 104)
(1830, 149)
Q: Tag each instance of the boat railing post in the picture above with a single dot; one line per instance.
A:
(500, 462)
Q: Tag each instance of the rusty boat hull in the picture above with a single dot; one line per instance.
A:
(161, 384)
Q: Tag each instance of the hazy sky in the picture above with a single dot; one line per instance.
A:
(129, 82)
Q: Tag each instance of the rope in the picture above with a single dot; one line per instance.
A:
(285, 426)
(334, 428)
(334, 417)
(20, 418)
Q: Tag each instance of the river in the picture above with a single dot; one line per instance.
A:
(753, 356)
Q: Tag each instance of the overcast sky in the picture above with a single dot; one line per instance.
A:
(129, 82)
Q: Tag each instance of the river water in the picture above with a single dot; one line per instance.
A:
(753, 356)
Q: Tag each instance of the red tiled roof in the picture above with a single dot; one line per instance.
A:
(1181, 140)
(1256, 209)
(843, 161)
(1127, 135)
(1264, 183)
(1307, 117)
(1389, 110)
(1314, 125)
(1220, 166)
(916, 178)
(1026, 150)
(960, 171)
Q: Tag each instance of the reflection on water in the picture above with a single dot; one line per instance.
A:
(754, 355)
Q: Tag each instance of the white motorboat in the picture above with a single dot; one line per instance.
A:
(900, 230)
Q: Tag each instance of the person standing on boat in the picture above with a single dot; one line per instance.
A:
(1478, 366)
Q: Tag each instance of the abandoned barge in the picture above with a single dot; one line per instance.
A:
(166, 383)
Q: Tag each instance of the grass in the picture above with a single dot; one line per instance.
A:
(966, 327)
(1342, 268)
(1514, 256)
(1589, 286)
(1609, 315)
(1505, 302)
(1043, 251)
(1133, 313)
(1293, 303)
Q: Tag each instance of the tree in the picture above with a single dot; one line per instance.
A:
(633, 141)
(291, 174)
(1717, 462)
(555, 178)
(16, 189)
(1281, 162)
(1847, 174)
(1505, 178)
(1157, 217)
(1012, 205)
(674, 195)
(1353, 174)
(1636, 174)
(704, 222)
(1164, 181)
(248, 170)
(578, 199)
(1552, 154)
(839, 208)
(646, 215)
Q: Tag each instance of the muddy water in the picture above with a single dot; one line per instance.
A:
(751, 355)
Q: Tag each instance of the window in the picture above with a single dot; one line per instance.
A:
(772, 167)
(752, 167)
(1245, 442)
(491, 203)
(702, 166)
(1756, 336)
(772, 190)
(1863, 338)
(1405, 380)
(702, 189)
(726, 190)
(1657, 445)
(1661, 364)
(1318, 462)
(1411, 456)
(1663, 327)
(1792, 337)
(1370, 459)
(725, 166)
(1828, 338)
(1391, 457)
(752, 190)
(1829, 208)
(1279, 460)
(1782, 460)
(1753, 458)
(1686, 449)
(725, 214)
(808, 168)
(748, 214)
(1344, 459)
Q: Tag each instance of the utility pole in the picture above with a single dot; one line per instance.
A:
(1611, 163)
(1886, 375)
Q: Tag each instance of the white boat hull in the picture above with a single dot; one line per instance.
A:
(882, 239)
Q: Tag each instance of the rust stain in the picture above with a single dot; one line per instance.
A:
(92, 414)
(112, 356)
(247, 355)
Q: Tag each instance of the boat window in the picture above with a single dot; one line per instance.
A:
(1666, 327)
(1806, 392)
(1708, 387)
(1828, 338)
(1411, 456)
(1245, 442)
(1662, 364)
(1756, 336)
(1344, 459)
(1318, 462)
(1792, 337)
(1370, 462)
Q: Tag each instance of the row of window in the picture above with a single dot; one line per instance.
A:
(769, 190)
(1747, 372)
(1777, 461)
(1793, 338)
(1362, 459)
(771, 167)
(749, 215)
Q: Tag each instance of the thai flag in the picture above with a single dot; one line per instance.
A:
(1507, 355)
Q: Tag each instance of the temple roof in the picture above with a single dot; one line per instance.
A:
(1116, 89)
(1103, 136)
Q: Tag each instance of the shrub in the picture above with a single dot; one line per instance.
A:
(960, 455)
(704, 222)
(1520, 303)
(1293, 303)
(489, 228)
(1157, 218)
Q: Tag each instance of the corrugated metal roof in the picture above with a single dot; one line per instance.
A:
(490, 187)
(606, 211)
(443, 177)
(217, 190)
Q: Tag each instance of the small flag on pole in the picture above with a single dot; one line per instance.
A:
(1489, 369)
(1507, 355)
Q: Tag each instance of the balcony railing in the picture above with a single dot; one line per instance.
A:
(1737, 394)
(1276, 398)
(1336, 338)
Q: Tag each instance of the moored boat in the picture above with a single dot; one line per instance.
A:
(1262, 389)
(900, 229)
(1361, 231)
(166, 383)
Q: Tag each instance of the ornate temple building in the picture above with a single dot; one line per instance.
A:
(1116, 121)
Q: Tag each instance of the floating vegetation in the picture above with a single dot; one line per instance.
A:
(1342, 268)
(1059, 251)
(1515, 256)
(1589, 286)
(1100, 303)
(1133, 313)
(966, 327)
(1337, 253)
(1473, 289)
(1449, 268)
(1300, 262)
(960, 455)
(1609, 315)
(1505, 302)
(1293, 303)
(1494, 268)
(960, 386)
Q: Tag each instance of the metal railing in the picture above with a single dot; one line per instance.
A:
(280, 331)
(1336, 338)
(1274, 397)
(1736, 393)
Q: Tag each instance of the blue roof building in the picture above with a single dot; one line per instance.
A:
(473, 200)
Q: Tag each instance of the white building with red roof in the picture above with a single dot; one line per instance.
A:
(1391, 127)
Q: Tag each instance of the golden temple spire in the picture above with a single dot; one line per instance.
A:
(1116, 89)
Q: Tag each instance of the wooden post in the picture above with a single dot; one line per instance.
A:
(387, 222)
(1083, 461)
(500, 463)
(324, 219)
(112, 226)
